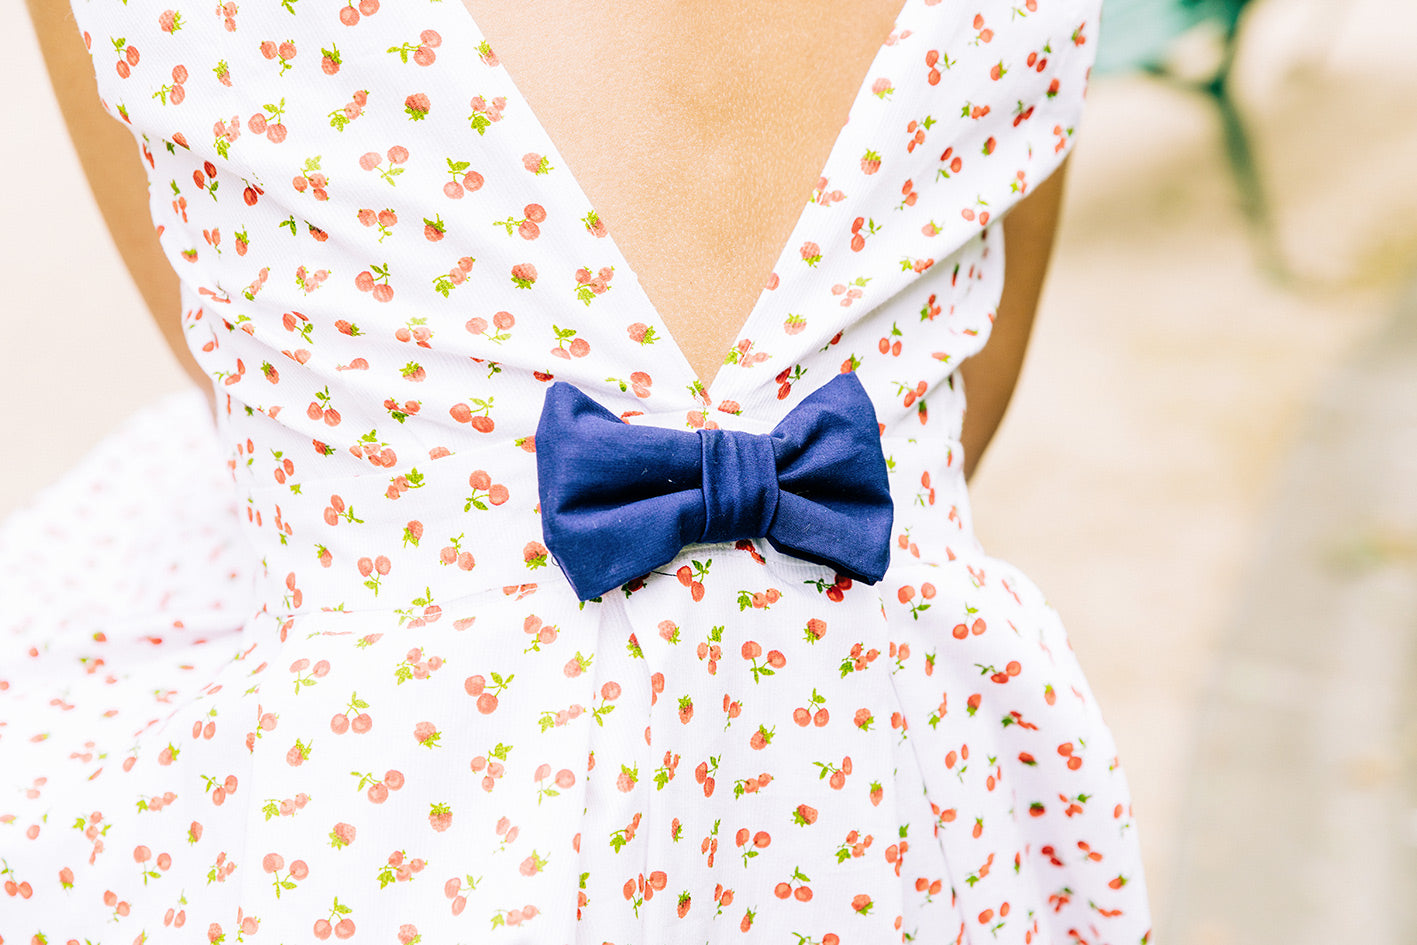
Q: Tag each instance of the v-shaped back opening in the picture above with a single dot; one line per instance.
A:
(693, 376)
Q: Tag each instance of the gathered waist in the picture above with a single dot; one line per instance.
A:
(464, 523)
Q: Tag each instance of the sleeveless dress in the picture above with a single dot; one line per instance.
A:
(312, 675)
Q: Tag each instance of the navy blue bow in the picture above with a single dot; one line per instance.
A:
(619, 500)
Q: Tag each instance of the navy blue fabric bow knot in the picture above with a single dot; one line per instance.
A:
(619, 500)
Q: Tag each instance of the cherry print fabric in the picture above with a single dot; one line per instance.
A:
(311, 677)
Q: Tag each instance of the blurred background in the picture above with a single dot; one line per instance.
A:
(1210, 463)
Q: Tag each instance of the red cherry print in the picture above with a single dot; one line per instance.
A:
(417, 106)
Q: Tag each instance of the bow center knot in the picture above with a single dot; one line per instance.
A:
(739, 484)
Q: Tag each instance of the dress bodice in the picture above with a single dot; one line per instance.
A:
(385, 261)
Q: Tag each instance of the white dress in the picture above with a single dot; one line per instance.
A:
(312, 675)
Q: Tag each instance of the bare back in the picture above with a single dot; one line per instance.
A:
(698, 131)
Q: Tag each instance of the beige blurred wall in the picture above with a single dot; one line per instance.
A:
(1157, 418)
(1167, 381)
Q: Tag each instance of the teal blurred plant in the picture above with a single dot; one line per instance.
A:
(1144, 35)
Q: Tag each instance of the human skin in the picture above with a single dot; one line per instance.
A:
(700, 198)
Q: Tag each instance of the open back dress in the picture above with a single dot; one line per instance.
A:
(314, 674)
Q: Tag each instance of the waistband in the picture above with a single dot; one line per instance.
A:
(468, 522)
